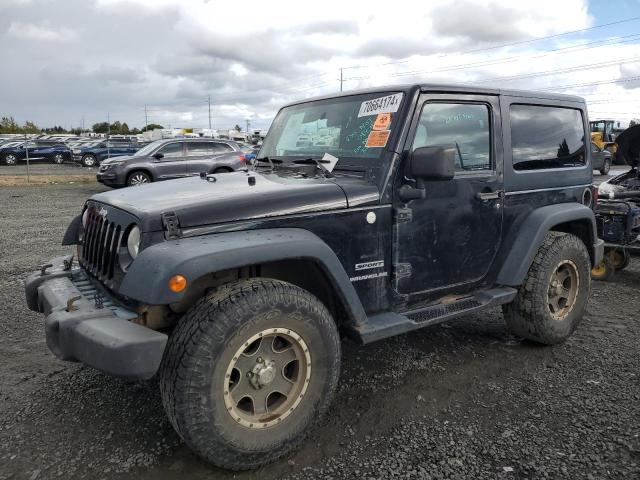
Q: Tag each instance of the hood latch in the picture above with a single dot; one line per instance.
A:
(171, 225)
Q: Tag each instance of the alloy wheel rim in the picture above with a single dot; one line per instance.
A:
(563, 289)
(11, 159)
(267, 378)
(58, 158)
(89, 161)
(138, 179)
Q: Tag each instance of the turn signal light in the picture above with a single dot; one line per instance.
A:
(177, 283)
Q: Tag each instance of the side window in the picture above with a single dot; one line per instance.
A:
(196, 149)
(172, 150)
(464, 127)
(221, 148)
(546, 137)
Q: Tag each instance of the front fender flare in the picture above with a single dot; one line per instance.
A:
(147, 278)
(531, 235)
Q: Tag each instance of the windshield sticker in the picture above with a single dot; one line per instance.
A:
(383, 121)
(378, 138)
(388, 104)
(329, 161)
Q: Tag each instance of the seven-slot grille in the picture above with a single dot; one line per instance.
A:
(99, 250)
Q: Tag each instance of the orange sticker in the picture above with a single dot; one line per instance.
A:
(377, 138)
(383, 121)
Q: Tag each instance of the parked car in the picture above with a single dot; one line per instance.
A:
(172, 158)
(93, 155)
(38, 150)
(234, 292)
(600, 159)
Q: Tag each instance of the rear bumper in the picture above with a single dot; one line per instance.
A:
(102, 338)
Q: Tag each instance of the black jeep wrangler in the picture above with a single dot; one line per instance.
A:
(371, 214)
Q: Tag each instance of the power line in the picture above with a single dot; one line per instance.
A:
(590, 84)
(521, 42)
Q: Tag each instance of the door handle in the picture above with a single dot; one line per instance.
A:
(485, 196)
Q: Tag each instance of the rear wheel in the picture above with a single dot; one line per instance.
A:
(58, 158)
(135, 179)
(223, 170)
(551, 301)
(10, 159)
(606, 166)
(89, 161)
(248, 370)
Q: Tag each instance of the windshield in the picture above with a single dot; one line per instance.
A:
(148, 149)
(357, 126)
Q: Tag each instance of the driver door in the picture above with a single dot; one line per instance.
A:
(451, 238)
(172, 163)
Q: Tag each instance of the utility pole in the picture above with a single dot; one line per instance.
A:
(209, 113)
(341, 80)
(82, 128)
(146, 121)
(247, 126)
(26, 149)
(108, 133)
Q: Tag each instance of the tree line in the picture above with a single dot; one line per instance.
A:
(9, 125)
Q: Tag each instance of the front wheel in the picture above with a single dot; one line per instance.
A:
(551, 301)
(606, 166)
(10, 159)
(89, 161)
(248, 370)
(137, 179)
(58, 158)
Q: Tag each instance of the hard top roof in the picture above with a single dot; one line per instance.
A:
(453, 88)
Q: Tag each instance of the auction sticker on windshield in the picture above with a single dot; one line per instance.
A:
(388, 104)
(377, 138)
(383, 121)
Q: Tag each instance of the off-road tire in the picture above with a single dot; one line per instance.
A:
(606, 166)
(193, 370)
(529, 315)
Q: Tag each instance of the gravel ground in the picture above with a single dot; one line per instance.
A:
(460, 400)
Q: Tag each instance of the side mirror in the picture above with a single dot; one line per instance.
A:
(432, 163)
(158, 155)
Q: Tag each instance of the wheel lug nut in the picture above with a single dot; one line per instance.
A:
(259, 359)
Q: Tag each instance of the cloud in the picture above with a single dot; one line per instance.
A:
(31, 31)
(90, 57)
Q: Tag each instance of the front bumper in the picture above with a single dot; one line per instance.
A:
(101, 337)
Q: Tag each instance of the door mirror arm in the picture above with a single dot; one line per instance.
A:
(408, 192)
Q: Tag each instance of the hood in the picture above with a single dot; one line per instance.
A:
(629, 145)
(118, 159)
(234, 196)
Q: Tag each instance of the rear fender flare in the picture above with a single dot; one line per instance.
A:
(531, 235)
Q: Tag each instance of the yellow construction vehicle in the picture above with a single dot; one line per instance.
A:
(603, 134)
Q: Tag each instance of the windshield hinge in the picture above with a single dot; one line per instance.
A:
(402, 270)
(403, 215)
(171, 225)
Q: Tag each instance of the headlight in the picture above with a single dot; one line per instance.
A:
(605, 189)
(133, 242)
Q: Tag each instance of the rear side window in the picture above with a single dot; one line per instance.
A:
(221, 148)
(198, 148)
(546, 137)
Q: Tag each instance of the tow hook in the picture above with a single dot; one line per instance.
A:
(70, 303)
(43, 269)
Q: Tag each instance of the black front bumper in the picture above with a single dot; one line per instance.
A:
(102, 338)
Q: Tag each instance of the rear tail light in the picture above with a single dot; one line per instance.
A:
(243, 158)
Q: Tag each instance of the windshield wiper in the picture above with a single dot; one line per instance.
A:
(324, 170)
(272, 161)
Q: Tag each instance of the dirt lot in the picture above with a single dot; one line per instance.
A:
(460, 400)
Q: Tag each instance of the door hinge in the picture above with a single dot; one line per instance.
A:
(171, 225)
(402, 270)
(403, 215)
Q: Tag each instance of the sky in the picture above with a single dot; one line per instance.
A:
(65, 61)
